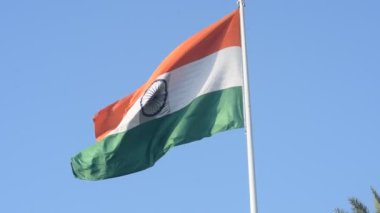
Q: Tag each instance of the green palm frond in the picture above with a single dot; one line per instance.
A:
(340, 211)
(377, 200)
(357, 206)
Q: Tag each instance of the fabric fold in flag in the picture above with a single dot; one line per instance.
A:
(194, 93)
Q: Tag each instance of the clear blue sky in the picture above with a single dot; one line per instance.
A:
(315, 75)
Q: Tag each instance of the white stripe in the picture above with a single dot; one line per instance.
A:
(220, 70)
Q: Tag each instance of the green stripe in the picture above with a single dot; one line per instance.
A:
(140, 147)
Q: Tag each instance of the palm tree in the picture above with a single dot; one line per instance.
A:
(359, 207)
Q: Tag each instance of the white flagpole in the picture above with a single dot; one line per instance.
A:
(247, 115)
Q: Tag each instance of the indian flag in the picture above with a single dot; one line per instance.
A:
(194, 93)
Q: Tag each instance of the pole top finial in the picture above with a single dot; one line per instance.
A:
(241, 3)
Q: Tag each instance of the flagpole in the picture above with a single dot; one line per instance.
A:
(247, 115)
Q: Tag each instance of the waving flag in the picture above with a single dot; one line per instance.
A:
(194, 93)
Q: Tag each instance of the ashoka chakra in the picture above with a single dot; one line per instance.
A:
(154, 98)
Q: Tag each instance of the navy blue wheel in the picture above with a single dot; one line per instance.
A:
(154, 98)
